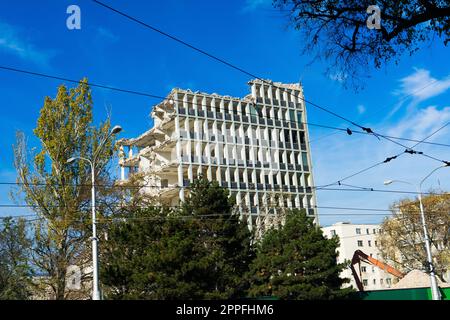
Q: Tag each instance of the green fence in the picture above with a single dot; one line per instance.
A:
(402, 294)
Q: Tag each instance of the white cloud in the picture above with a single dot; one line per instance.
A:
(107, 34)
(11, 42)
(252, 5)
(419, 86)
(341, 155)
(361, 109)
(338, 76)
(422, 123)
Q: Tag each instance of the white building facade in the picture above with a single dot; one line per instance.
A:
(256, 146)
(362, 237)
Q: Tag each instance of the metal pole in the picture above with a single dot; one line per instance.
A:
(434, 287)
(95, 291)
(95, 286)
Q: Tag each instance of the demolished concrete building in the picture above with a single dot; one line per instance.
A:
(256, 146)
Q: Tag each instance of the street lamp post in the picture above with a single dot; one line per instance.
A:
(434, 287)
(95, 286)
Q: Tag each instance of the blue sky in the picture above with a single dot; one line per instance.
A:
(114, 51)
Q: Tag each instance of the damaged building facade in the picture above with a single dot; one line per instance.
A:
(256, 146)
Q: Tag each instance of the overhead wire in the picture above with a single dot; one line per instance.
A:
(220, 60)
(135, 92)
(388, 159)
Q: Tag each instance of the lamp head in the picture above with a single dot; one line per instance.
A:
(70, 160)
(116, 129)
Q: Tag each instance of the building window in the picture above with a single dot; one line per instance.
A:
(360, 243)
(164, 183)
(363, 269)
(365, 282)
(374, 281)
(358, 231)
(374, 231)
(381, 281)
(375, 242)
(367, 231)
(369, 243)
(333, 233)
(299, 116)
(388, 281)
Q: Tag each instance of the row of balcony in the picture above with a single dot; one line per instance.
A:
(238, 140)
(276, 102)
(244, 119)
(258, 186)
(309, 212)
(243, 163)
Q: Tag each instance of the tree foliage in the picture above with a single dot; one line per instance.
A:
(337, 30)
(200, 251)
(15, 270)
(60, 193)
(295, 261)
(401, 242)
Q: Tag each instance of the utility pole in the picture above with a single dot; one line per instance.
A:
(433, 283)
(95, 285)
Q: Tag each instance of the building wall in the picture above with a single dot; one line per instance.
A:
(362, 237)
(257, 146)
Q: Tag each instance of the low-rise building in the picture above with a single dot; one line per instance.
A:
(362, 237)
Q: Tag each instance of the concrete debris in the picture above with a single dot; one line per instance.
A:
(417, 279)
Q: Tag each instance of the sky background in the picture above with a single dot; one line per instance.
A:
(409, 100)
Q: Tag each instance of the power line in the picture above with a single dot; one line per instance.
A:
(220, 60)
(77, 82)
(408, 150)
(406, 96)
(151, 95)
(319, 188)
(389, 159)
(181, 206)
(161, 97)
(211, 216)
(376, 190)
(400, 101)
(318, 125)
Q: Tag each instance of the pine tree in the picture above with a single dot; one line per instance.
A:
(200, 251)
(15, 269)
(224, 238)
(295, 261)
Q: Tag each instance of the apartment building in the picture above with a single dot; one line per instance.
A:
(362, 237)
(256, 146)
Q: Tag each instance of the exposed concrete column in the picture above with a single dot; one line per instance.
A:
(261, 90)
(178, 150)
(289, 202)
(278, 94)
(297, 200)
(211, 144)
(269, 92)
(121, 159)
(254, 92)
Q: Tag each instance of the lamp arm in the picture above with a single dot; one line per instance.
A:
(423, 180)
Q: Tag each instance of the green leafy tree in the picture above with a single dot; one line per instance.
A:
(15, 270)
(200, 251)
(295, 261)
(337, 31)
(60, 193)
(401, 243)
